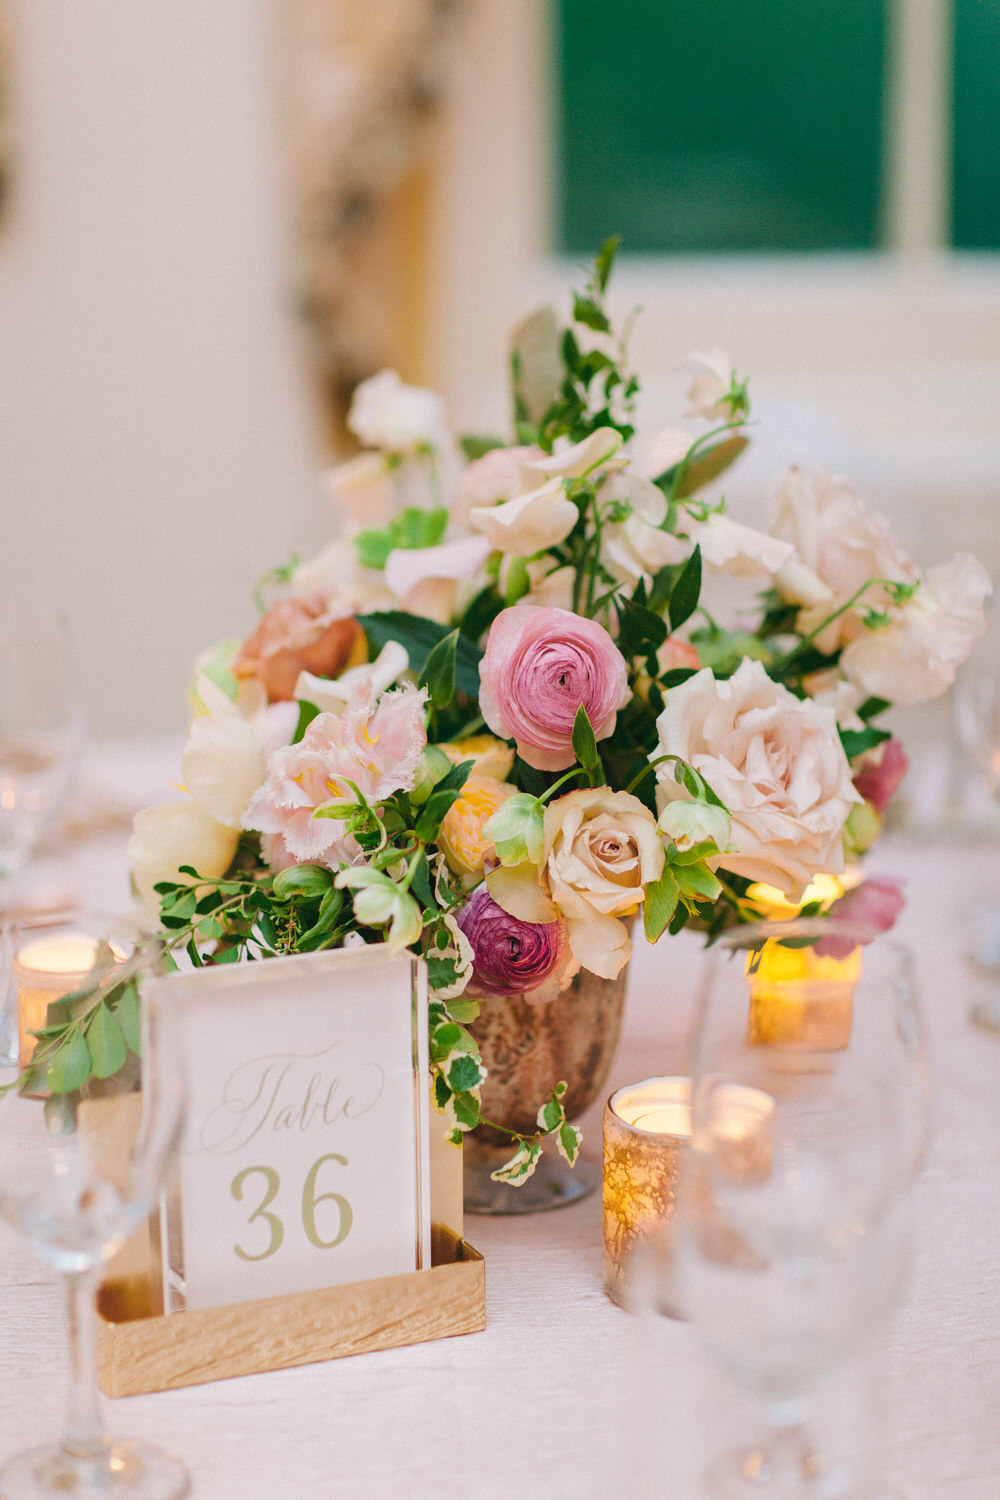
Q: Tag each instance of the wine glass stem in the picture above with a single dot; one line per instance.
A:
(84, 1436)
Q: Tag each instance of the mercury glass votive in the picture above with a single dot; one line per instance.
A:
(45, 969)
(647, 1127)
(800, 999)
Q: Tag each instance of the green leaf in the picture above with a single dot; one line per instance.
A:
(605, 259)
(373, 547)
(127, 1011)
(465, 1073)
(686, 591)
(521, 1165)
(105, 1043)
(69, 1065)
(587, 312)
(307, 712)
(466, 1110)
(872, 707)
(419, 636)
(438, 676)
(678, 675)
(550, 1115)
(705, 467)
(640, 629)
(699, 881)
(474, 446)
(568, 1143)
(857, 741)
(660, 904)
(584, 743)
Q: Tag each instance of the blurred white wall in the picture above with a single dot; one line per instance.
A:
(158, 450)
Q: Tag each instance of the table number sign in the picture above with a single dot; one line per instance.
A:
(303, 1162)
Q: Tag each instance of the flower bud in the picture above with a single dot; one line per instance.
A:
(302, 880)
(432, 767)
(515, 830)
(690, 823)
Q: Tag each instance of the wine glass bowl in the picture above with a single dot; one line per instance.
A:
(41, 730)
(793, 1238)
(79, 1174)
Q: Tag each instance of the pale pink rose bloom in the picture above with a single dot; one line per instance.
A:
(540, 666)
(841, 543)
(375, 743)
(875, 904)
(915, 657)
(777, 764)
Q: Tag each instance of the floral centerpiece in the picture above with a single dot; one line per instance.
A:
(499, 716)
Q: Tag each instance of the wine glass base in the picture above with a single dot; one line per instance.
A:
(125, 1471)
(749, 1475)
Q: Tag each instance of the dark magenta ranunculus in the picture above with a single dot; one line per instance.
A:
(511, 956)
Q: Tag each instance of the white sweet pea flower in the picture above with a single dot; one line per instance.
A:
(363, 488)
(499, 475)
(711, 374)
(532, 523)
(552, 589)
(636, 547)
(330, 696)
(915, 656)
(336, 575)
(425, 578)
(395, 417)
(730, 547)
(581, 458)
(654, 456)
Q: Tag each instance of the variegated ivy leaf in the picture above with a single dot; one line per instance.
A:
(568, 1142)
(449, 960)
(550, 1115)
(521, 1165)
(461, 1111)
(464, 1073)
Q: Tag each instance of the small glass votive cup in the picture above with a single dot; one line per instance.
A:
(647, 1128)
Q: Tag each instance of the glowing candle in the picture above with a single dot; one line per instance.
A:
(800, 999)
(647, 1128)
(46, 969)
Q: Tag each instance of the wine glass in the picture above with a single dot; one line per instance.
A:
(977, 716)
(41, 732)
(809, 1123)
(79, 1174)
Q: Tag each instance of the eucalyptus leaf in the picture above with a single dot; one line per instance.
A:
(105, 1043)
(69, 1065)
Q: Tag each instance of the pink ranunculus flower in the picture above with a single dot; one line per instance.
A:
(881, 772)
(540, 666)
(375, 743)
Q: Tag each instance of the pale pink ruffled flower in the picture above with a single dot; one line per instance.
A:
(540, 666)
(374, 743)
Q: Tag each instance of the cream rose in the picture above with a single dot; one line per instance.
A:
(915, 656)
(774, 760)
(601, 849)
(172, 834)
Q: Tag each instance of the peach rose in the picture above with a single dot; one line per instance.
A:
(296, 635)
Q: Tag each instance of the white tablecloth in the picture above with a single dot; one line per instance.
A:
(564, 1396)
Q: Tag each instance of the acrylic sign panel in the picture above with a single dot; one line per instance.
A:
(303, 1162)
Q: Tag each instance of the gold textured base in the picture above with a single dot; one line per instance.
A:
(141, 1351)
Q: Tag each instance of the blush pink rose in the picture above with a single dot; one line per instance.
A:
(375, 743)
(540, 666)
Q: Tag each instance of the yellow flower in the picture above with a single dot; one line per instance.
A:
(492, 757)
(461, 837)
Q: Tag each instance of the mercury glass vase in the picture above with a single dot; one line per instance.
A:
(527, 1048)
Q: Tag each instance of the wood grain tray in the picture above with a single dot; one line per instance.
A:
(139, 1351)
